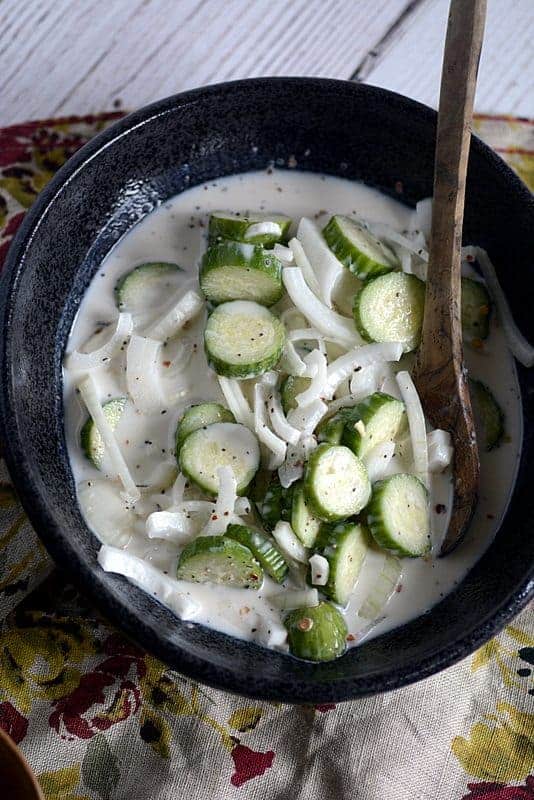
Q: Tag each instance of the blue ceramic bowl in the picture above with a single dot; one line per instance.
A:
(124, 173)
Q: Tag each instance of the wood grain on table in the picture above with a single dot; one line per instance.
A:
(62, 57)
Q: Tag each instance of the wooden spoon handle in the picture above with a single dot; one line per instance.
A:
(460, 64)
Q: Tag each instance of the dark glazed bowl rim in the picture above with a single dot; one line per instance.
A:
(85, 575)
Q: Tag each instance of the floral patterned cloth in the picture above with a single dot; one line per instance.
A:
(100, 719)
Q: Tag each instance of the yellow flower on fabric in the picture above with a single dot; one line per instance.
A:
(36, 659)
(61, 783)
(500, 753)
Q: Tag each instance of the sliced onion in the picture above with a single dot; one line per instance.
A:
(236, 401)
(172, 525)
(291, 362)
(178, 489)
(316, 369)
(265, 228)
(306, 418)
(378, 460)
(301, 261)
(342, 367)
(293, 467)
(308, 335)
(293, 319)
(288, 542)
(143, 374)
(283, 253)
(392, 236)
(382, 589)
(320, 569)
(225, 504)
(440, 450)
(169, 591)
(518, 344)
(242, 506)
(327, 268)
(417, 424)
(331, 324)
(301, 598)
(273, 442)
(100, 357)
(278, 419)
(89, 396)
(186, 308)
(108, 514)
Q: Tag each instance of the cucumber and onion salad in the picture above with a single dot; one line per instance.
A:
(307, 469)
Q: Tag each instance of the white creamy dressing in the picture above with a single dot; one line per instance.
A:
(176, 232)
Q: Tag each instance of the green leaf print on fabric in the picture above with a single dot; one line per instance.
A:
(99, 768)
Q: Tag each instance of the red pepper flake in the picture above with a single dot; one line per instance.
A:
(214, 517)
(470, 259)
(398, 588)
(351, 637)
(305, 624)
(166, 363)
(399, 187)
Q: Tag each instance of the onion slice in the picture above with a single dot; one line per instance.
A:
(143, 374)
(331, 324)
(417, 424)
(236, 400)
(326, 267)
(98, 358)
(89, 396)
(188, 306)
(273, 442)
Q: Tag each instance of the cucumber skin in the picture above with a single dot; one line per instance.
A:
(378, 530)
(352, 438)
(206, 546)
(360, 325)
(245, 371)
(290, 388)
(229, 253)
(116, 407)
(331, 429)
(329, 544)
(352, 259)
(315, 505)
(230, 229)
(487, 406)
(263, 550)
(324, 641)
(475, 326)
(149, 266)
(219, 414)
(273, 502)
(299, 497)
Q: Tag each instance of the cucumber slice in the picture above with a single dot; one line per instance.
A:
(357, 249)
(264, 229)
(336, 483)
(304, 523)
(90, 439)
(331, 429)
(235, 271)
(269, 557)
(344, 546)
(380, 418)
(316, 634)
(200, 416)
(273, 502)
(217, 559)
(147, 286)
(489, 417)
(398, 515)
(476, 310)
(243, 339)
(390, 309)
(219, 445)
(290, 388)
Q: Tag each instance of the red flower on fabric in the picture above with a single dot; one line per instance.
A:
(249, 764)
(324, 707)
(75, 712)
(499, 791)
(12, 722)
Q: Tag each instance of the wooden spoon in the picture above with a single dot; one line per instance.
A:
(440, 375)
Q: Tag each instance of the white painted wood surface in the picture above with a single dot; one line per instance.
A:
(80, 56)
